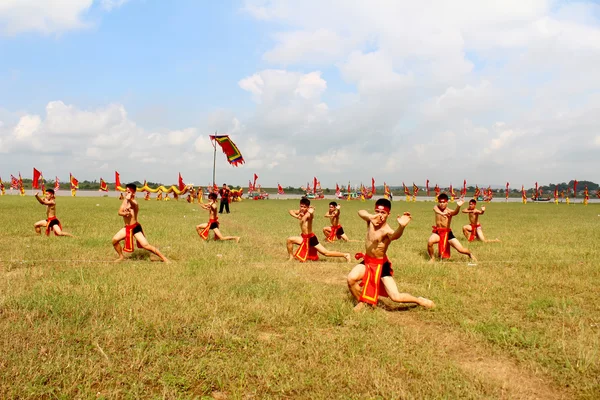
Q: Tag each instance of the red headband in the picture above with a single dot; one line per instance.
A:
(382, 208)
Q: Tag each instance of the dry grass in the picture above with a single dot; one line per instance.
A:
(236, 321)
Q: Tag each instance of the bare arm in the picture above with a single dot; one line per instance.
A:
(402, 222)
(459, 204)
(482, 210)
(41, 200)
(365, 215)
(295, 213)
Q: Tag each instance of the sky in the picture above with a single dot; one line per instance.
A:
(401, 91)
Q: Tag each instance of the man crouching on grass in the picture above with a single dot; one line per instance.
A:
(366, 279)
(308, 242)
(133, 230)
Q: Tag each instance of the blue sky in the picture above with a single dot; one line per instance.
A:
(395, 90)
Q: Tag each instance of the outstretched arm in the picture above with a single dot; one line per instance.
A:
(402, 222)
(365, 215)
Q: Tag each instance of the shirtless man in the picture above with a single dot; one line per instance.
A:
(335, 231)
(473, 230)
(308, 242)
(376, 269)
(442, 233)
(129, 211)
(51, 223)
(213, 221)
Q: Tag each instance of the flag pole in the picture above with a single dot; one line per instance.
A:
(214, 158)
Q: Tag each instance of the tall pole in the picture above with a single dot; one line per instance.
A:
(214, 160)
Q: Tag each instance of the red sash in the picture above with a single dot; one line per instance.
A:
(204, 233)
(306, 251)
(371, 281)
(129, 238)
(333, 235)
(473, 235)
(48, 225)
(443, 244)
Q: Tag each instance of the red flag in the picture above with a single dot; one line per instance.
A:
(21, 187)
(14, 182)
(427, 187)
(254, 184)
(117, 180)
(575, 188)
(315, 184)
(406, 191)
(337, 189)
(35, 184)
(463, 192)
(56, 183)
(373, 185)
(279, 189)
(415, 189)
(555, 192)
(181, 185)
(74, 182)
(103, 185)
(452, 191)
(349, 187)
(250, 187)
(507, 190)
(234, 157)
(535, 195)
(523, 193)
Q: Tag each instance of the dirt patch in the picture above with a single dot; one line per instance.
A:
(514, 381)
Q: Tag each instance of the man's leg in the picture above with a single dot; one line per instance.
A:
(467, 231)
(456, 244)
(482, 238)
(60, 232)
(329, 253)
(116, 241)
(221, 207)
(39, 225)
(433, 239)
(327, 231)
(291, 241)
(219, 236)
(392, 290)
(227, 206)
(354, 277)
(142, 241)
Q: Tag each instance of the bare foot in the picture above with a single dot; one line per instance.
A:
(360, 306)
(237, 239)
(472, 257)
(426, 302)
(431, 260)
(291, 258)
(347, 257)
(120, 259)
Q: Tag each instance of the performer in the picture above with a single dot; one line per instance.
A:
(225, 195)
(308, 242)
(133, 230)
(213, 221)
(473, 230)
(442, 233)
(373, 276)
(51, 223)
(335, 231)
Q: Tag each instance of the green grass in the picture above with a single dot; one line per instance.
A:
(237, 321)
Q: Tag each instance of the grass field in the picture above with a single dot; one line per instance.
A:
(236, 321)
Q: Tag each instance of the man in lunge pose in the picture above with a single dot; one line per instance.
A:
(133, 230)
(308, 242)
(442, 233)
(51, 223)
(335, 231)
(473, 230)
(373, 276)
(213, 221)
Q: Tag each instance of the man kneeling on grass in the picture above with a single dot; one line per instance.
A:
(375, 273)
(308, 243)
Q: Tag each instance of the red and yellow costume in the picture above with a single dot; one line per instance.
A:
(129, 232)
(306, 251)
(473, 235)
(443, 244)
(371, 281)
(333, 234)
(212, 224)
(50, 225)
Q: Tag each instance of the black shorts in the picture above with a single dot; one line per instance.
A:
(214, 225)
(386, 270)
(313, 241)
(339, 232)
(137, 229)
(52, 223)
(451, 235)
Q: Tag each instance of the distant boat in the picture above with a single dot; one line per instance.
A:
(541, 199)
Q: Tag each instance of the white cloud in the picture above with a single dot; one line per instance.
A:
(47, 16)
